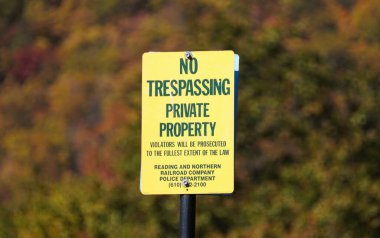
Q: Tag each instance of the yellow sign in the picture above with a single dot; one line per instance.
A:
(187, 144)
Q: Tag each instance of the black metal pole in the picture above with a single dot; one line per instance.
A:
(187, 216)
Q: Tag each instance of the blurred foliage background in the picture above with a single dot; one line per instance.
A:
(308, 139)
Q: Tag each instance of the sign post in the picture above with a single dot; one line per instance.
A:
(188, 126)
(187, 215)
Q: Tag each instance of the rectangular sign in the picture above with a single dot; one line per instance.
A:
(188, 117)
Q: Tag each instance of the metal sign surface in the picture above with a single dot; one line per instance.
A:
(188, 107)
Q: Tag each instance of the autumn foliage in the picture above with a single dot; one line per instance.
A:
(308, 125)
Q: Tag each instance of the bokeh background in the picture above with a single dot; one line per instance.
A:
(308, 135)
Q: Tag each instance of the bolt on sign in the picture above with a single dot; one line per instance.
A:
(188, 122)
